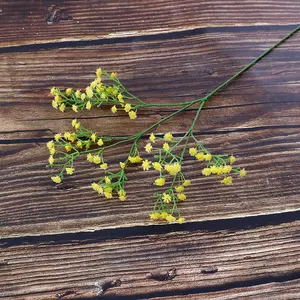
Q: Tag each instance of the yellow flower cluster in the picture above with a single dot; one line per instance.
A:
(105, 89)
(217, 165)
(156, 216)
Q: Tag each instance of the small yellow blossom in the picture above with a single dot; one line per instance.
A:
(52, 151)
(200, 156)
(79, 144)
(50, 145)
(220, 170)
(56, 179)
(206, 171)
(96, 187)
(214, 169)
(154, 216)
(187, 183)
(74, 122)
(70, 171)
(127, 107)
(120, 98)
(168, 137)
(67, 135)
(135, 159)
(132, 115)
(193, 151)
(107, 195)
(146, 165)
(227, 180)
(57, 98)
(53, 91)
(173, 169)
(54, 104)
(152, 138)
(170, 219)
(88, 105)
(107, 180)
(208, 157)
(62, 107)
(94, 83)
(243, 172)
(68, 148)
(167, 198)
(72, 137)
(89, 92)
(104, 166)
(99, 72)
(78, 94)
(122, 195)
(113, 75)
(96, 159)
(148, 147)
(157, 166)
(94, 137)
(166, 147)
(103, 95)
(122, 165)
(160, 181)
(75, 108)
(51, 160)
(180, 220)
(68, 91)
(114, 109)
(181, 196)
(90, 157)
(100, 142)
(57, 137)
(179, 188)
(232, 159)
(164, 214)
(83, 96)
(227, 169)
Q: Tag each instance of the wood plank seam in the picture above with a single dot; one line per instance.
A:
(242, 223)
(131, 39)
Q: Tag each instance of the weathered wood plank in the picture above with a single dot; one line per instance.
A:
(275, 290)
(237, 258)
(261, 109)
(31, 204)
(27, 24)
(188, 73)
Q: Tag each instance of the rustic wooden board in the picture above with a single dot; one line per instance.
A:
(33, 205)
(256, 118)
(189, 73)
(275, 290)
(23, 24)
(205, 261)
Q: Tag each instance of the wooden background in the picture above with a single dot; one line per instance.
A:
(239, 242)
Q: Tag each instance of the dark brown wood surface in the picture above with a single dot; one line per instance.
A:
(239, 242)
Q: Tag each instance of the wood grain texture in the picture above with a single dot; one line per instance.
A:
(27, 24)
(240, 258)
(32, 205)
(256, 118)
(275, 290)
(188, 73)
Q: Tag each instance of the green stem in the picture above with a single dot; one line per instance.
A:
(251, 64)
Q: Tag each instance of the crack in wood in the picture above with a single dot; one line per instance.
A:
(233, 224)
(150, 37)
